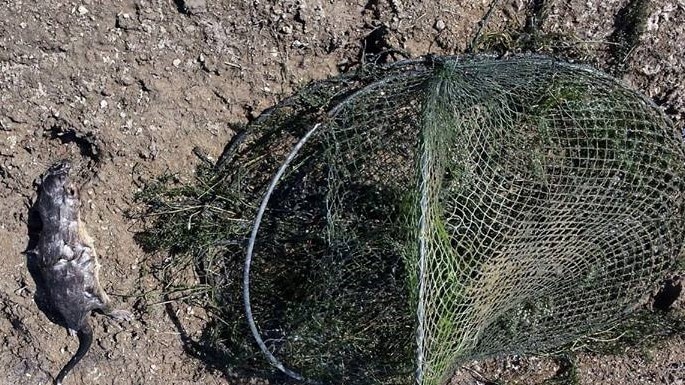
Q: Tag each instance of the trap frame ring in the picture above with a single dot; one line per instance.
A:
(248, 259)
(265, 201)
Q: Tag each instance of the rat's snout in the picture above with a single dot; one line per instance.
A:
(60, 168)
(58, 196)
(56, 178)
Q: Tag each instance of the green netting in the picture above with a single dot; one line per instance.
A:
(429, 212)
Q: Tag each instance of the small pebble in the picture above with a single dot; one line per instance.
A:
(194, 6)
(126, 80)
(82, 10)
(440, 25)
(125, 21)
(176, 62)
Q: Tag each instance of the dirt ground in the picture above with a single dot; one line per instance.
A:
(128, 88)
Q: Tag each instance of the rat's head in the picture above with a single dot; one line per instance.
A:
(58, 191)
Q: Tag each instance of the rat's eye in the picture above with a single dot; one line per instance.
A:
(71, 191)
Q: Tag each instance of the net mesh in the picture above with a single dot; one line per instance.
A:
(440, 210)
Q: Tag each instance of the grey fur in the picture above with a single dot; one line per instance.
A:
(67, 260)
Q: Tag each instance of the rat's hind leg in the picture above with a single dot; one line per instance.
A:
(120, 315)
(102, 304)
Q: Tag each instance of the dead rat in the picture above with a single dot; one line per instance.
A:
(67, 261)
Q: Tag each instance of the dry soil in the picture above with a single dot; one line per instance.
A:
(128, 88)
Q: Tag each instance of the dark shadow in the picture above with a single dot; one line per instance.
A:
(181, 7)
(537, 13)
(376, 47)
(189, 8)
(213, 358)
(232, 146)
(373, 6)
(668, 294)
(210, 357)
(629, 25)
(87, 143)
(567, 372)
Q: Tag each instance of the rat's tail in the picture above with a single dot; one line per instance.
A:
(85, 338)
